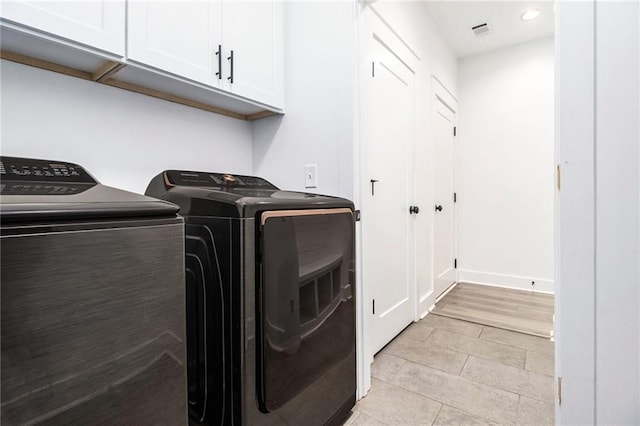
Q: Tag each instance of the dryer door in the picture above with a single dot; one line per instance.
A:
(307, 304)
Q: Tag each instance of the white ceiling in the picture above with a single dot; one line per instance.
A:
(454, 20)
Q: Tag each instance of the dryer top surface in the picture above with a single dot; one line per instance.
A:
(218, 194)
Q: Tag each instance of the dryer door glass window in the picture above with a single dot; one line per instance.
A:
(308, 321)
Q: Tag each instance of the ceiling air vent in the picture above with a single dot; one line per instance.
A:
(481, 29)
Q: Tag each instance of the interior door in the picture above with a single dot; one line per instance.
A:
(386, 196)
(444, 214)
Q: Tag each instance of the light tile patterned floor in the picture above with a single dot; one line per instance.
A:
(444, 371)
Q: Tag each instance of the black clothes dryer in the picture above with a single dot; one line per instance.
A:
(270, 300)
(92, 295)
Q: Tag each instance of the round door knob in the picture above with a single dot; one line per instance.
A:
(414, 209)
(438, 208)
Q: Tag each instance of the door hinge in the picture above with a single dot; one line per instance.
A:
(455, 197)
(357, 215)
(454, 130)
(374, 306)
(455, 263)
(373, 69)
(559, 390)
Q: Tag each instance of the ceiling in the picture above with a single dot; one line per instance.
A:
(454, 20)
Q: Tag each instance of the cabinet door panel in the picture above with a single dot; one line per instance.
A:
(254, 31)
(180, 37)
(98, 24)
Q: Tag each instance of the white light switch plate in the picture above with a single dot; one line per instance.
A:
(311, 176)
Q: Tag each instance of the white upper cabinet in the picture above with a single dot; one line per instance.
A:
(232, 45)
(224, 56)
(180, 37)
(97, 24)
(253, 30)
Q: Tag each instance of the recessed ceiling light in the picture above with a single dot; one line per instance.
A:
(530, 14)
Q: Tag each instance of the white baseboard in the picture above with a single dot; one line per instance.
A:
(424, 303)
(507, 281)
(444, 293)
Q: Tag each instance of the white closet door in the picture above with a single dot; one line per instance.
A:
(443, 210)
(386, 222)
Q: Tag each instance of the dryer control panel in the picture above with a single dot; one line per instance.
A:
(224, 181)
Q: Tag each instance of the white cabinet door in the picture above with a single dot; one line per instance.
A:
(253, 30)
(180, 37)
(95, 23)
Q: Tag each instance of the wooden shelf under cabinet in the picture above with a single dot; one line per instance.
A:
(29, 48)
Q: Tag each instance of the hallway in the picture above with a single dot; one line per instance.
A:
(517, 310)
(443, 371)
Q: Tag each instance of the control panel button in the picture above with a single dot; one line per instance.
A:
(229, 178)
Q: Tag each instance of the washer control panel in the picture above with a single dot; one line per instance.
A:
(222, 181)
(13, 169)
(26, 176)
(32, 188)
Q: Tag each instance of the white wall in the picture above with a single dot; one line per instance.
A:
(505, 169)
(122, 138)
(318, 127)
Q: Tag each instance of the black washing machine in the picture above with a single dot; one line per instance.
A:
(92, 301)
(270, 300)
